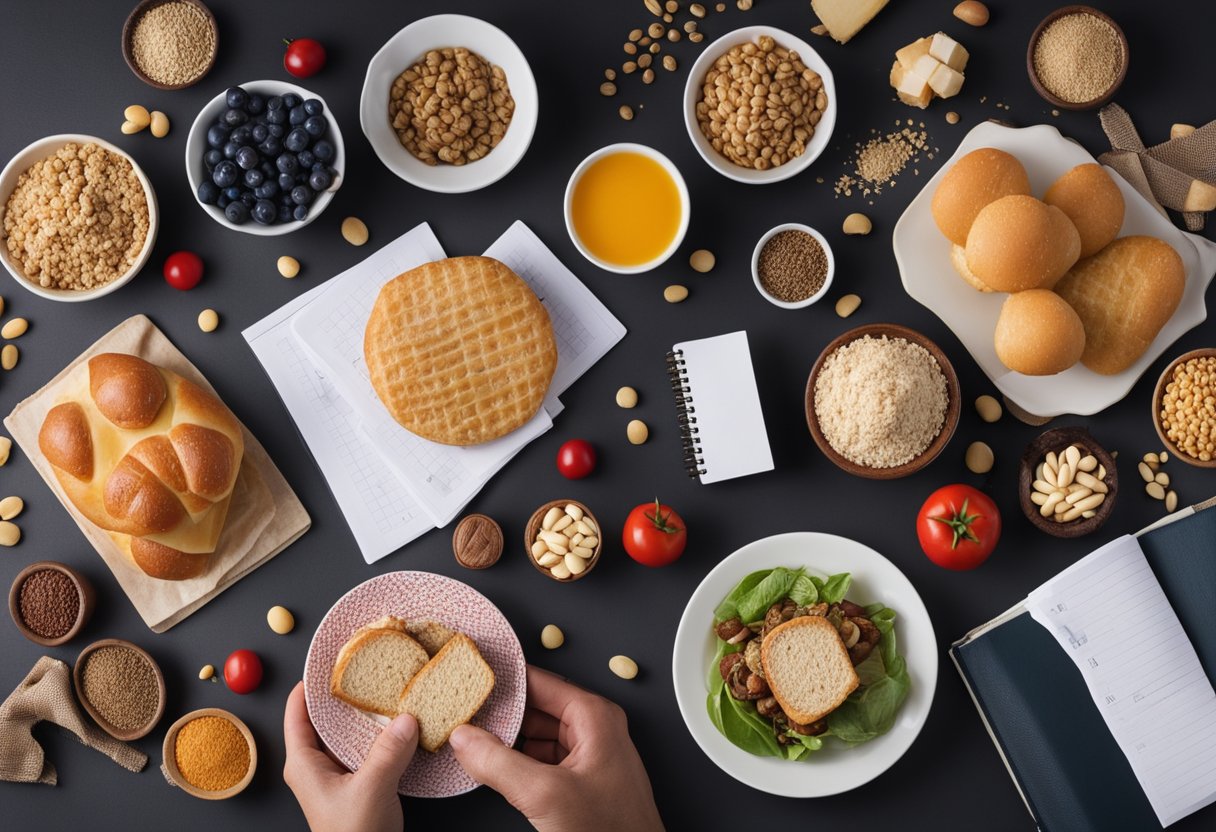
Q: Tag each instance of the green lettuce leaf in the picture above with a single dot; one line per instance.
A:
(729, 607)
(804, 592)
(870, 710)
(835, 587)
(772, 588)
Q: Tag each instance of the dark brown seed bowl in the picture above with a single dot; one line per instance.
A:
(128, 31)
(533, 528)
(1056, 440)
(84, 590)
(78, 682)
(1064, 11)
(949, 423)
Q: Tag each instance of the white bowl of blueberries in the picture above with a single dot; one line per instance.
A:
(265, 157)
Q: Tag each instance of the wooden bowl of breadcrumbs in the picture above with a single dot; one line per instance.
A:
(882, 401)
(1077, 58)
(170, 44)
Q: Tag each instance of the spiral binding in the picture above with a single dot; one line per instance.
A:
(685, 414)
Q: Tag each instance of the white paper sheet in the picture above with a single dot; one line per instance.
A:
(1112, 618)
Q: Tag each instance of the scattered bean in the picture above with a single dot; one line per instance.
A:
(675, 293)
(1163, 456)
(988, 408)
(627, 398)
(672, 6)
(674, 35)
(289, 267)
(160, 124)
(972, 12)
(208, 320)
(629, 67)
(1155, 490)
(6, 447)
(607, 88)
(857, 224)
(952, 117)
(10, 507)
(702, 260)
(635, 35)
(626, 112)
(696, 10)
(623, 666)
(656, 30)
(280, 620)
(654, 7)
(669, 63)
(1152, 459)
(979, 458)
(1171, 501)
(847, 305)
(129, 128)
(696, 37)
(630, 48)
(15, 328)
(206, 672)
(637, 432)
(610, 74)
(137, 115)
(645, 61)
(10, 534)
(1146, 473)
(1162, 478)
(354, 231)
(648, 76)
(552, 637)
(9, 356)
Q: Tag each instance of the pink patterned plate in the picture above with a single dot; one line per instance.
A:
(414, 596)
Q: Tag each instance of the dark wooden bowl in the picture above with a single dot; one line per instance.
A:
(1159, 394)
(953, 403)
(169, 749)
(128, 31)
(533, 528)
(1034, 78)
(84, 591)
(1057, 440)
(78, 681)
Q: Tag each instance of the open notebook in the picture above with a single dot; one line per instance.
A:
(718, 407)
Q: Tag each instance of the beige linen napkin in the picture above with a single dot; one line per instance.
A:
(265, 515)
(45, 694)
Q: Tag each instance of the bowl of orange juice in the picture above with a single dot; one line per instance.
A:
(627, 208)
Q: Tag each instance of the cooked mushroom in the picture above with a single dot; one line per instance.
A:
(727, 664)
(751, 655)
(869, 637)
(733, 631)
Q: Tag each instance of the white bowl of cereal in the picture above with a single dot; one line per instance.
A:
(53, 265)
(792, 266)
(488, 141)
(795, 153)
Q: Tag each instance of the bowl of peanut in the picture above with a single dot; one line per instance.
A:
(760, 105)
(449, 104)
(1183, 412)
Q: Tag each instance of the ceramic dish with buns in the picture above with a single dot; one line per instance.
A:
(927, 258)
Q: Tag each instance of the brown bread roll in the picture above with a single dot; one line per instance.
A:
(982, 176)
(1019, 243)
(1038, 334)
(1093, 202)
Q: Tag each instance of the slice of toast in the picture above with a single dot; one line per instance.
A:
(375, 665)
(448, 691)
(807, 668)
(430, 634)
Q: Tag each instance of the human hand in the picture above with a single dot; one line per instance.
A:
(578, 769)
(333, 798)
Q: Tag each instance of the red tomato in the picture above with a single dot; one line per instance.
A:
(183, 270)
(304, 57)
(243, 671)
(958, 527)
(654, 534)
(576, 459)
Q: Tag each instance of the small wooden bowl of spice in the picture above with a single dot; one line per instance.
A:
(882, 401)
(50, 602)
(210, 754)
(170, 44)
(1067, 466)
(121, 687)
(1188, 432)
(1077, 58)
(792, 266)
(563, 540)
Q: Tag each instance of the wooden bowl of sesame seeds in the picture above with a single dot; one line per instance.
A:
(130, 689)
(170, 44)
(1077, 58)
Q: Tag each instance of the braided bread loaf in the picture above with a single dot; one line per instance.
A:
(147, 456)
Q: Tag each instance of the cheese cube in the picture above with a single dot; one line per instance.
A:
(945, 81)
(949, 51)
(845, 18)
(924, 67)
(914, 90)
(908, 55)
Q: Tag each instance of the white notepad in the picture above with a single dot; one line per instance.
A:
(1112, 618)
(719, 408)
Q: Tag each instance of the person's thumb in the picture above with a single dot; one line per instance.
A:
(390, 754)
(488, 761)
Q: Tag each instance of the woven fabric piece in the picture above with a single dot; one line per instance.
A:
(45, 694)
(1167, 173)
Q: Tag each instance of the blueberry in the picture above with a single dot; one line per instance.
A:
(276, 130)
(267, 168)
(267, 190)
(247, 158)
(259, 133)
(302, 195)
(225, 174)
(316, 126)
(286, 181)
(237, 213)
(222, 202)
(320, 180)
(236, 97)
(291, 100)
(217, 134)
(297, 115)
(208, 192)
(256, 105)
(287, 163)
(234, 118)
(212, 158)
(264, 212)
(300, 213)
(254, 177)
(242, 135)
(284, 214)
(230, 150)
(306, 159)
(278, 116)
(314, 107)
(271, 147)
(324, 151)
(297, 140)
(249, 199)
(275, 102)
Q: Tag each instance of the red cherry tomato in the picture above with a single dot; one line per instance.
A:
(654, 534)
(304, 58)
(183, 270)
(243, 671)
(576, 459)
(958, 527)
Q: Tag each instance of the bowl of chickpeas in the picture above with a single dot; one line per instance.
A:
(1184, 408)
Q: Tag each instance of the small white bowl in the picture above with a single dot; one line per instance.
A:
(827, 281)
(42, 149)
(692, 95)
(667, 165)
(196, 146)
(406, 47)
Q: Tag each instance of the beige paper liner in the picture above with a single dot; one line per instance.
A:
(264, 519)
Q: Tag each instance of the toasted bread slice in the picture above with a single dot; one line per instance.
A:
(375, 665)
(448, 691)
(807, 668)
(430, 634)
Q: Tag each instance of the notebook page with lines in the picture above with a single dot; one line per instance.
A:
(1110, 615)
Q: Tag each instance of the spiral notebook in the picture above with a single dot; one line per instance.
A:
(718, 407)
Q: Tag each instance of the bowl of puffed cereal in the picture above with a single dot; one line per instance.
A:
(78, 217)
(759, 105)
(449, 104)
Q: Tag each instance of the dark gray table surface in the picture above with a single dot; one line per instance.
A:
(62, 71)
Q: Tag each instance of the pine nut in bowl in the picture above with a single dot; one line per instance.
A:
(627, 208)
(76, 262)
(554, 540)
(1066, 469)
(210, 754)
(711, 93)
(792, 266)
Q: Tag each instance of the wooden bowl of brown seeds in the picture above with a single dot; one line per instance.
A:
(50, 602)
(1089, 35)
(121, 687)
(1057, 441)
(170, 44)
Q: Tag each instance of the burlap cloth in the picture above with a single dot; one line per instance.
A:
(1179, 174)
(264, 519)
(45, 694)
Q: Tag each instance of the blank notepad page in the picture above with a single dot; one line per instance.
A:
(1112, 618)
